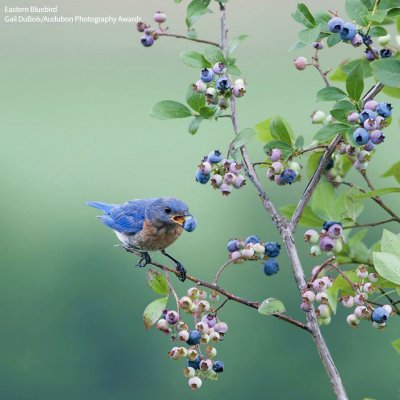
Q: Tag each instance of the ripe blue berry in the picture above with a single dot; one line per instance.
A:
(207, 75)
(202, 178)
(288, 176)
(380, 315)
(147, 40)
(366, 39)
(194, 338)
(386, 53)
(384, 109)
(360, 136)
(233, 245)
(214, 157)
(196, 363)
(328, 224)
(253, 239)
(348, 31)
(366, 114)
(369, 146)
(272, 249)
(190, 224)
(218, 367)
(335, 24)
(223, 84)
(335, 230)
(271, 267)
(371, 55)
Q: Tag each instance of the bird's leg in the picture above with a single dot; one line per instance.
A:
(144, 255)
(178, 266)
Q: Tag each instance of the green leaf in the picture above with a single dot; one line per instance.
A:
(357, 11)
(286, 148)
(195, 10)
(390, 243)
(328, 132)
(263, 132)
(394, 171)
(194, 125)
(271, 306)
(213, 54)
(195, 99)
(378, 192)
(356, 246)
(355, 82)
(297, 45)
(387, 71)
(312, 162)
(330, 93)
(324, 204)
(299, 143)
(386, 4)
(157, 281)
(169, 109)
(194, 59)
(391, 91)
(366, 67)
(191, 33)
(207, 112)
(353, 205)
(333, 39)
(341, 110)
(234, 43)
(244, 137)
(388, 266)
(379, 16)
(396, 345)
(281, 130)
(233, 69)
(378, 31)
(394, 12)
(308, 218)
(338, 75)
(154, 311)
(303, 16)
(309, 35)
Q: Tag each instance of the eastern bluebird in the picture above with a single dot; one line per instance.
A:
(148, 225)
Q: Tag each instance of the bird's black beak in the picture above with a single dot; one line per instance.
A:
(180, 219)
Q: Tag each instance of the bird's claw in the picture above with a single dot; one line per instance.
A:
(144, 259)
(182, 272)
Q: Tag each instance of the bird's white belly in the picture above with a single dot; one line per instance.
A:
(124, 238)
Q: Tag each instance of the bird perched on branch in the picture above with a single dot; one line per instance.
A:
(148, 225)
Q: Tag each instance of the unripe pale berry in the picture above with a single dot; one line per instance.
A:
(226, 189)
(362, 272)
(211, 351)
(321, 297)
(195, 383)
(215, 337)
(338, 246)
(319, 285)
(193, 292)
(216, 181)
(162, 325)
(206, 365)
(295, 166)
(240, 82)
(221, 327)
(248, 252)
(359, 299)
(276, 167)
(323, 311)
(189, 372)
(311, 236)
(373, 277)
(328, 281)
(318, 117)
(203, 305)
(238, 91)
(202, 327)
(259, 248)
(202, 295)
(384, 40)
(388, 308)
(300, 63)
(183, 336)
(368, 287)
(352, 320)
(347, 301)
(239, 182)
(200, 86)
(378, 325)
(309, 296)
(174, 353)
(315, 250)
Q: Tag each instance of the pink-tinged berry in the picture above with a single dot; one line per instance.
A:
(206, 365)
(368, 287)
(200, 86)
(235, 255)
(275, 154)
(226, 189)
(162, 325)
(306, 306)
(309, 295)
(229, 178)
(219, 68)
(373, 277)
(362, 272)
(202, 327)
(276, 167)
(357, 40)
(319, 45)
(195, 383)
(377, 136)
(315, 251)
(347, 301)
(209, 320)
(235, 168)
(311, 236)
(326, 243)
(352, 320)
(319, 285)
(335, 231)
(352, 117)
(172, 317)
(300, 63)
(328, 281)
(216, 181)
(359, 299)
(239, 182)
(370, 105)
(238, 91)
(370, 124)
(248, 252)
(185, 302)
(159, 17)
(221, 327)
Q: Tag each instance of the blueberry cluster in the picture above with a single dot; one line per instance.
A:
(253, 249)
(360, 157)
(217, 86)
(281, 172)
(150, 34)
(197, 344)
(347, 30)
(370, 122)
(226, 174)
(329, 240)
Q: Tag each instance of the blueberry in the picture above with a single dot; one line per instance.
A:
(207, 75)
(318, 45)
(218, 367)
(272, 249)
(357, 40)
(190, 224)
(253, 239)
(214, 157)
(366, 114)
(369, 146)
(328, 224)
(196, 363)
(360, 136)
(194, 338)
(377, 136)
(159, 17)
(172, 317)
(384, 109)
(386, 53)
(223, 84)
(380, 315)
(202, 178)
(219, 68)
(326, 243)
(271, 267)
(330, 165)
(288, 176)
(366, 39)
(348, 31)
(335, 231)
(233, 245)
(275, 154)
(371, 55)
(335, 24)
(147, 40)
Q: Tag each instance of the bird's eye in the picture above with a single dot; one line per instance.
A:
(167, 210)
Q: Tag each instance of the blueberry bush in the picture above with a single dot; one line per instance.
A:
(366, 280)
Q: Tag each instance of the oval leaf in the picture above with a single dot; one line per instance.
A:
(194, 59)
(169, 109)
(154, 311)
(330, 131)
(271, 306)
(331, 93)
(355, 82)
(378, 192)
(157, 281)
(388, 266)
(387, 71)
(390, 243)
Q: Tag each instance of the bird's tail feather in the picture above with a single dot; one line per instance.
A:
(101, 206)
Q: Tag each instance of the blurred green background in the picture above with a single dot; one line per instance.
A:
(75, 126)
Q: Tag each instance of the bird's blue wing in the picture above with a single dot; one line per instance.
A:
(101, 206)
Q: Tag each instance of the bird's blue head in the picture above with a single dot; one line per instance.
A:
(168, 211)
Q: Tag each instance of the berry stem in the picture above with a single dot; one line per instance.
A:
(315, 63)
(306, 150)
(220, 306)
(222, 269)
(386, 221)
(321, 267)
(187, 38)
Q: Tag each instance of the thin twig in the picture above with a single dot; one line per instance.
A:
(307, 149)
(315, 63)
(220, 306)
(386, 221)
(319, 270)
(187, 38)
(222, 269)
